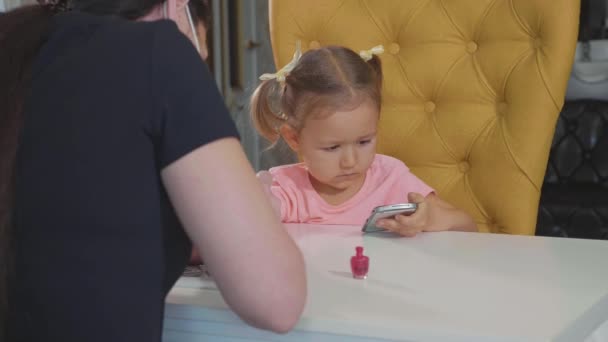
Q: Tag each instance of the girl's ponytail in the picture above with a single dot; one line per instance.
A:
(266, 121)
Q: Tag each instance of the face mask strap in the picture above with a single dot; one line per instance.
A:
(168, 10)
(193, 28)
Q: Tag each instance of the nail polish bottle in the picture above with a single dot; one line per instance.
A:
(359, 264)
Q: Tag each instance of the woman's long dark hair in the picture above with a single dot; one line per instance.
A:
(23, 31)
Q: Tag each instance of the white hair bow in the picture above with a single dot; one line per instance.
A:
(283, 72)
(368, 54)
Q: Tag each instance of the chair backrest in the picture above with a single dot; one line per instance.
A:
(472, 89)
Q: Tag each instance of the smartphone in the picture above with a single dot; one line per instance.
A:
(387, 211)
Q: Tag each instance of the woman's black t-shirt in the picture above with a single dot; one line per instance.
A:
(111, 104)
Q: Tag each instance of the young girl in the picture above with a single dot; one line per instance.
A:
(326, 104)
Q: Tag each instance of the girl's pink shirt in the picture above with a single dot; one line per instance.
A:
(387, 181)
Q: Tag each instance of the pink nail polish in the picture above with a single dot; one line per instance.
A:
(359, 264)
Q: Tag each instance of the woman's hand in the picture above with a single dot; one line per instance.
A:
(433, 215)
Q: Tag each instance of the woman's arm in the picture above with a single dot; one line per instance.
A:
(266, 179)
(257, 266)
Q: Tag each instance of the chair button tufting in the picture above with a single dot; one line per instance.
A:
(429, 107)
(501, 108)
(394, 48)
(471, 47)
(464, 166)
(314, 45)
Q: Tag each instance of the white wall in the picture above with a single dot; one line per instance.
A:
(1, 5)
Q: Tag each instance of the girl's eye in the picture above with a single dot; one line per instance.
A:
(365, 142)
(331, 148)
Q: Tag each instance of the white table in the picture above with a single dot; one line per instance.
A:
(448, 286)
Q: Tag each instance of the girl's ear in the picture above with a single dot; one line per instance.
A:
(291, 137)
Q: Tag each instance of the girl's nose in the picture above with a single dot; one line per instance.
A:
(349, 158)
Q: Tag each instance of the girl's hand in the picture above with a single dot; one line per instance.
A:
(409, 225)
(432, 215)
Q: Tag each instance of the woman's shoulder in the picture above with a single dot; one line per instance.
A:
(119, 34)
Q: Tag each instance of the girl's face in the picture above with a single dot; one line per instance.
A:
(337, 148)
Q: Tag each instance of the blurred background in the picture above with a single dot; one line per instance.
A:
(574, 200)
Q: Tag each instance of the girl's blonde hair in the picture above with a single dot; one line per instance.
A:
(323, 81)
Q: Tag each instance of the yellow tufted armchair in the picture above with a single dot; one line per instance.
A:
(472, 89)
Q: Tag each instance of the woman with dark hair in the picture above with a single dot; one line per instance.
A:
(116, 150)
